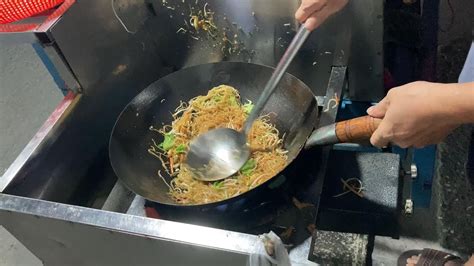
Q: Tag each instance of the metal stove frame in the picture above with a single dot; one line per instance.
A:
(37, 203)
(56, 232)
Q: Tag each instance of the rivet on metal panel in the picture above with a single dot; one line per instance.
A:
(408, 207)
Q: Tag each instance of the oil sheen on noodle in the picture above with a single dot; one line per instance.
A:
(221, 107)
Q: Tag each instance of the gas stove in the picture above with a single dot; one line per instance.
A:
(287, 206)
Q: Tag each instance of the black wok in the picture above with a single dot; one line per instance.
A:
(292, 108)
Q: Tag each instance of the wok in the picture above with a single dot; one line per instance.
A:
(292, 108)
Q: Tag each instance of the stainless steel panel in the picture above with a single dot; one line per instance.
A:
(366, 66)
(264, 28)
(61, 234)
(350, 38)
(137, 207)
(105, 58)
(99, 46)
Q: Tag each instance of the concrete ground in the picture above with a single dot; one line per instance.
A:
(13, 253)
(28, 95)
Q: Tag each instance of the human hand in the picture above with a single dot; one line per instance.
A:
(417, 114)
(314, 12)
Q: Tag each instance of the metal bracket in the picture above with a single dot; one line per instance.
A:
(413, 171)
(408, 207)
(410, 172)
(335, 87)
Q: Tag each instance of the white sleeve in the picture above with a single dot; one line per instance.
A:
(467, 73)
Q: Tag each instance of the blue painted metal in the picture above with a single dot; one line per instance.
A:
(424, 159)
(421, 187)
(50, 67)
(351, 109)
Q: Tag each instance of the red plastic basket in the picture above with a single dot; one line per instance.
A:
(13, 10)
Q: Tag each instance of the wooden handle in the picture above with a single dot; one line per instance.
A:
(357, 129)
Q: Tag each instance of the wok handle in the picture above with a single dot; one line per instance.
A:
(352, 130)
(357, 129)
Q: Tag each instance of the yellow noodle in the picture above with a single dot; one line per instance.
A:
(221, 107)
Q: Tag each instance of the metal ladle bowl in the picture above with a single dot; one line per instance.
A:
(221, 152)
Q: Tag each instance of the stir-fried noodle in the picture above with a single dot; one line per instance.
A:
(221, 107)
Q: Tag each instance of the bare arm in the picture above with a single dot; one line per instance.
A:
(422, 113)
(463, 95)
(314, 12)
